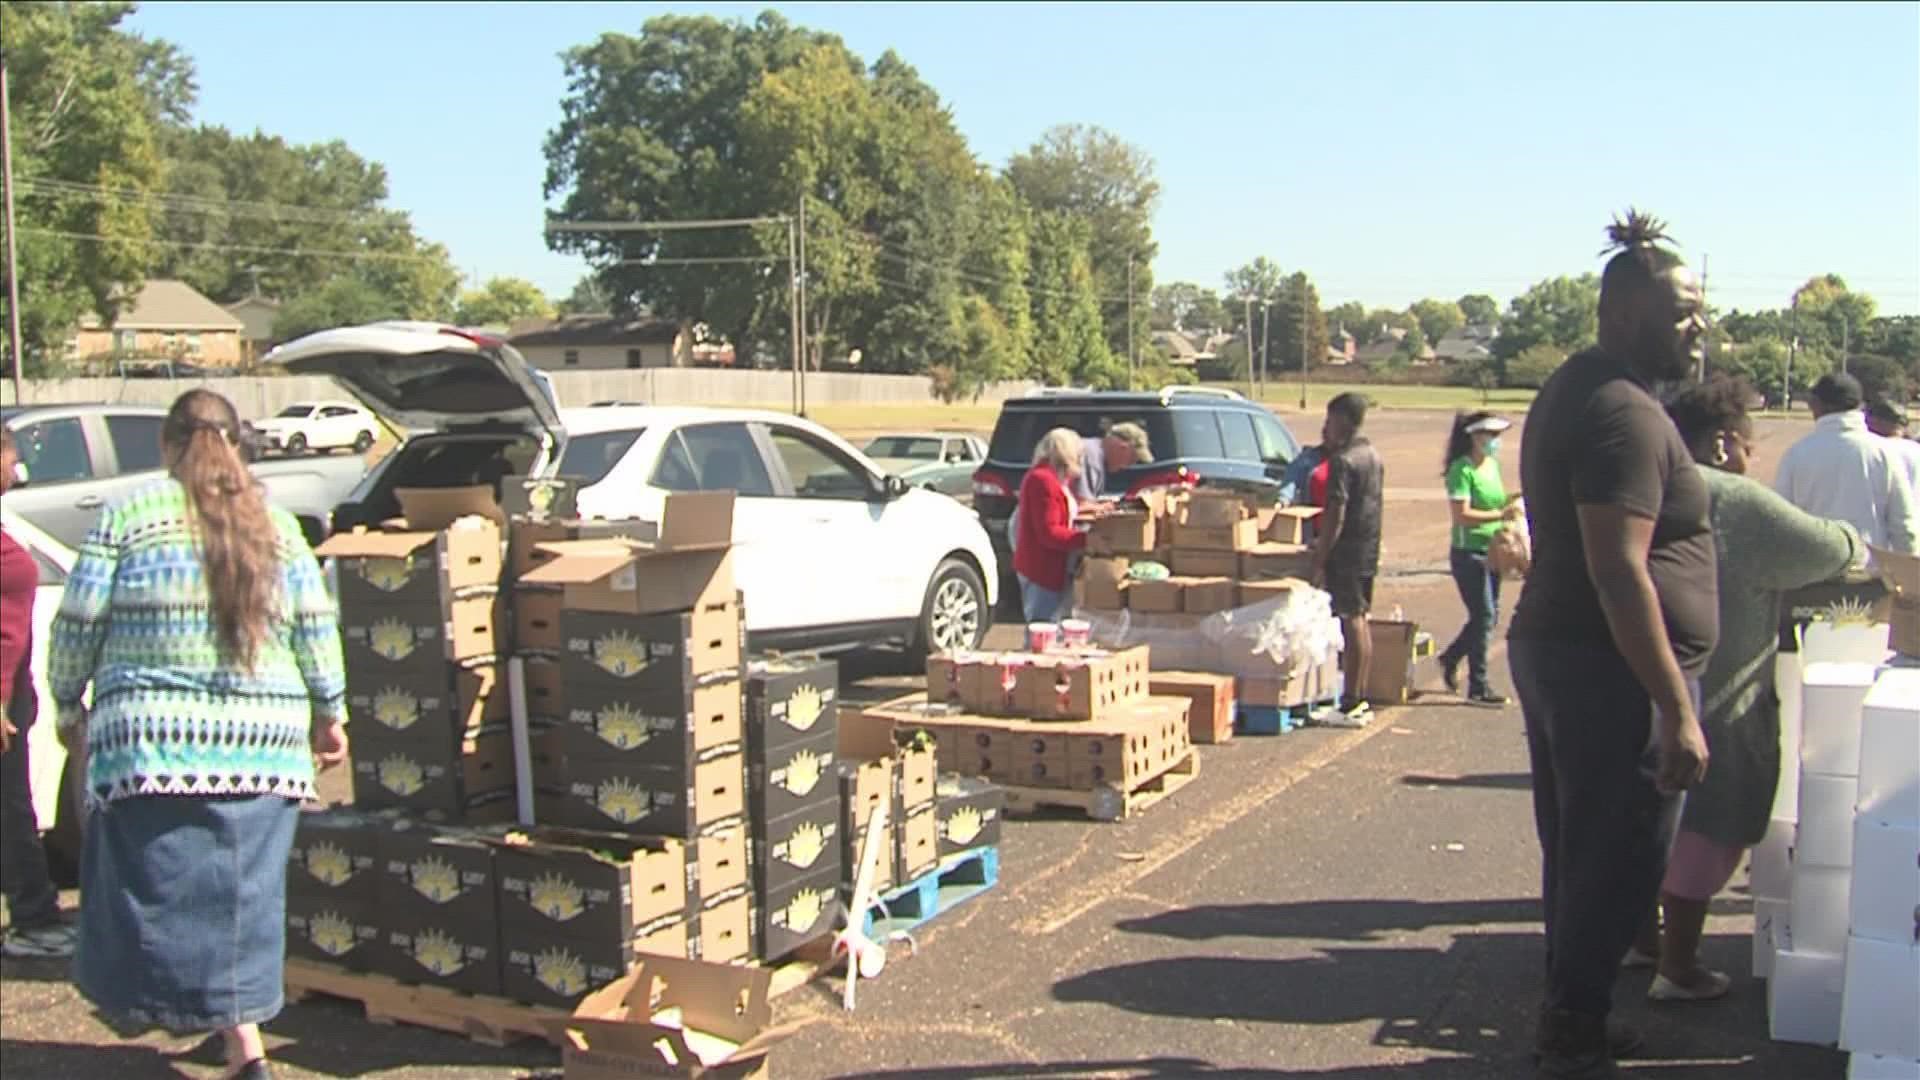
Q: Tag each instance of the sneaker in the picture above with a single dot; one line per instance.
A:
(1635, 960)
(1707, 986)
(1487, 699)
(1357, 716)
(1450, 673)
(39, 943)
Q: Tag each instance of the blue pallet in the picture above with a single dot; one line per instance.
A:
(958, 878)
(1275, 719)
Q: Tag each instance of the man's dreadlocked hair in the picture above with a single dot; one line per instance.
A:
(1635, 244)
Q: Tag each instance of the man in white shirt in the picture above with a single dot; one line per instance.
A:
(1845, 472)
(1886, 420)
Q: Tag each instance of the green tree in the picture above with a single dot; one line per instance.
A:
(1351, 315)
(89, 100)
(1070, 347)
(502, 301)
(1093, 174)
(587, 298)
(1839, 315)
(1532, 365)
(1437, 318)
(1563, 312)
(346, 300)
(1296, 311)
(1411, 347)
(1479, 309)
(1381, 320)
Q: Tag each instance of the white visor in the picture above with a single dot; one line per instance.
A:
(1492, 424)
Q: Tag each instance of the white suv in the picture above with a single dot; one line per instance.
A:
(832, 552)
(318, 425)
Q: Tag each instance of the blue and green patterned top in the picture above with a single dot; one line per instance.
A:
(168, 716)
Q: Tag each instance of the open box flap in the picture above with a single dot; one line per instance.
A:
(734, 1003)
(365, 543)
(577, 562)
(436, 508)
(720, 1000)
(1900, 572)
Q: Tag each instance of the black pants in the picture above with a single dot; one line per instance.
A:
(31, 898)
(1605, 829)
(1480, 591)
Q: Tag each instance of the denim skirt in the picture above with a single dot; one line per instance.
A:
(183, 911)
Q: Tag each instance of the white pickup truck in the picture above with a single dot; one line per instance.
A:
(831, 550)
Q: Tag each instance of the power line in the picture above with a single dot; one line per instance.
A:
(177, 202)
(247, 249)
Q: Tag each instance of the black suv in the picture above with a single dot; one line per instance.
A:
(1195, 434)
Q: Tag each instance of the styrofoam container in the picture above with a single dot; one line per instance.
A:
(1804, 997)
(1770, 932)
(1830, 706)
(1771, 870)
(1787, 670)
(1880, 1010)
(1890, 747)
(1875, 1067)
(1884, 893)
(1825, 835)
(1820, 910)
(1857, 643)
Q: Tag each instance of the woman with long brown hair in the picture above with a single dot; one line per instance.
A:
(203, 625)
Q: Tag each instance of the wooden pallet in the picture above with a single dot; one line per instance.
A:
(491, 1020)
(1106, 802)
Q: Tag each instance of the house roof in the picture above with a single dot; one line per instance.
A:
(1179, 345)
(253, 302)
(600, 330)
(169, 305)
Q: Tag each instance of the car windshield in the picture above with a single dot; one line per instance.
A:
(295, 412)
(589, 458)
(1172, 434)
(904, 446)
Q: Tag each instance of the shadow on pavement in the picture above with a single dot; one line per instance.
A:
(1167, 1068)
(334, 1039)
(25, 1059)
(16, 969)
(1342, 920)
(1500, 781)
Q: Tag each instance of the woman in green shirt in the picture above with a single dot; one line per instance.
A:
(1479, 503)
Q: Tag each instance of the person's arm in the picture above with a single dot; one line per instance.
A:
(314, 636)
(1056, 524)
(1903, 508)
(81, 623)
(1783, 546)
(19, 578)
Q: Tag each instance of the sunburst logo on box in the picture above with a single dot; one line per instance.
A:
(390, 639)
(805, 909)
(620, 654)
(436, 879)
(402, 775)
(387, 574)
(806, 844)
(621, 726)
(804, 772)
(561, 972)
(964, 825)
(330, 933)
(329, 864)
(623, 800)
(556, 897)
(438, 952)
(804, 707)
(396, 709)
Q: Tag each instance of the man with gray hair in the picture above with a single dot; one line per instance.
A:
(1122, 447)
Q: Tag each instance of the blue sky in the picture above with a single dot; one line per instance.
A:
(1391, 151)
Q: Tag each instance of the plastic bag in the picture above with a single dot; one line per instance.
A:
(1510, 553)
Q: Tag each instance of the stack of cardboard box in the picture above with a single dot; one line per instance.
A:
(880, 766)
(649, 739)
(1224, 553)
(793, 801)
(419, 602)
(333, 889)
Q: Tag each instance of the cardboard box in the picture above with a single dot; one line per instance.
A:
(943, 676)
(587, 886)
(1303, 684)
(410, 647)
(1890, 747)
(919, 844)
(1139, 742)
(915, 772)
(538, 498)
(802, 844)
(416, 569)
(434, 877)
(611, 657)
(536, 620)
(668, 727)
(459, 956)
(1240, 536)
(1124, 532)
(1881, 998)
(718, 861)
(335, 856)
(524, 553)
(794, 778)
(1211, 698)
(341, 934)
(1291, 525)
(1901, 573)
(1076, 686)
(544, 968)
(1097, 595)
(1270, 561)
(1390, 679)
(789, 701)
(688, 568)
(462, 702)
(1801, 606)
(1165, 596)
(1884, 895)
(672, 936)
(652, 800)
(967, 814)
(723, 930)
(1189, 562)
(883, 871)
(865, 786)
(1204, 509)
(431, 778)
(673, 1018)
(1204, 596)
(1259, 592)
(1041, 756)
(799, 912)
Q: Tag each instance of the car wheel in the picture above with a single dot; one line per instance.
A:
(955, 614)
(296, 444)
(363, 442)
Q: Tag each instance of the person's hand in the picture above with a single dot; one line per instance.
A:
(1317, 577)
(329, 742)
(73, 734)
(7, 732)
(1512, 512)
(1683, 754)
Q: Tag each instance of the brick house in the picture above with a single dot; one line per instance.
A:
(168, 320)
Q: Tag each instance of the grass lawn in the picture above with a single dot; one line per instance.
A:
(1286, 398)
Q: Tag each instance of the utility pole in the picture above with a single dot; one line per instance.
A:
(806, 347)
(1303, 350)
(1247, 299)
(13, 255)
(1793, 346)
(793, 307)
(1266, 341)
(1846, 325)
(1133, 360)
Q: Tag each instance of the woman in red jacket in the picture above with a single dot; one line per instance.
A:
(1044, 535)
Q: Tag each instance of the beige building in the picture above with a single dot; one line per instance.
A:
(256, 314)
(165, 320)
(579, 342)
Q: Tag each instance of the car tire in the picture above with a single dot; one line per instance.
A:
(363, 442)
(296, 444)
(955, 614)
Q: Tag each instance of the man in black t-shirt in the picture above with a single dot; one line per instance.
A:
(1612, 632)
(1346, 554)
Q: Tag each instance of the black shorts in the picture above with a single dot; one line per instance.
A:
(1352, 592)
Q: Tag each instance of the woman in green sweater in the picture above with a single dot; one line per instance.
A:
(1479, 503)
(1767, 547)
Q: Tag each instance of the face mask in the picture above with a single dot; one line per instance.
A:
(1493, 447)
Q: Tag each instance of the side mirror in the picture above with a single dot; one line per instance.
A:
(893, 487)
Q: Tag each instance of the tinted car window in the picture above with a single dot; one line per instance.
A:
(53, 451)
(727, 459)
(1236, 435)
(1197, 433)
(589, 458)
(900, 446)
(295, 412)
(136, 442)
(816, 471)
(1277, 444)
(1019, 431)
